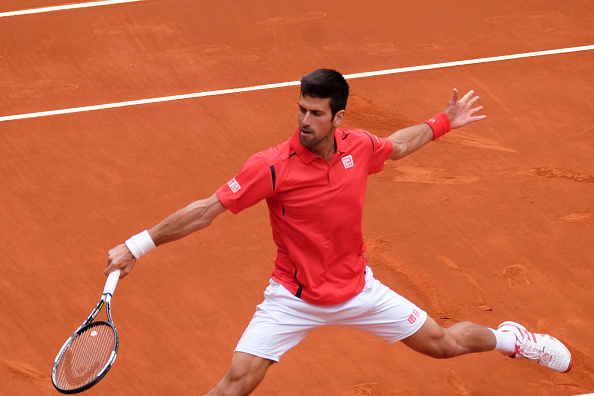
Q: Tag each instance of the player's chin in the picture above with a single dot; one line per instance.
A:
(306, 138)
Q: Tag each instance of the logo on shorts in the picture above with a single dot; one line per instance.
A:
(413, 317)
(347, 161)
(233, 185)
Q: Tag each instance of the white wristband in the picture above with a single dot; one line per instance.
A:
(140, 244)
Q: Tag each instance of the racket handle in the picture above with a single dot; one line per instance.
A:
(112, 281)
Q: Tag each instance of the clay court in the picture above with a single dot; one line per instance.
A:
(492, 222)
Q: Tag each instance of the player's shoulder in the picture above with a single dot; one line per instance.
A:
(357, 136)
(275, 154)
(353, 131)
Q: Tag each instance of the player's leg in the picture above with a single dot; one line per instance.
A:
(380, 311)
(244, 375)
(510, 338)
(462, 338)
(281, 321)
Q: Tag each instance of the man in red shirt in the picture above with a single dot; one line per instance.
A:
(321, 259)
(314, 185)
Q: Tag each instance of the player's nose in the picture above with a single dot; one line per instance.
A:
(306, 119)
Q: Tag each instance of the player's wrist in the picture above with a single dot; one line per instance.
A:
(140, 244)
(440, 125)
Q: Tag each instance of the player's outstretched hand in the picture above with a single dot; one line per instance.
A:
(120, 258)
(460, 112)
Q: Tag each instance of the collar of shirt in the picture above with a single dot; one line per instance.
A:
(306, 155)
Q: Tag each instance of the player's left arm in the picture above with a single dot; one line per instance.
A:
(457, 114)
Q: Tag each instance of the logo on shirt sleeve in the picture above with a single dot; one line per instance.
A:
(233, 185)
(347, 161)
(413, 317)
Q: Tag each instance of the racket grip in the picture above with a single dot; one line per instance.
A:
(112, 281)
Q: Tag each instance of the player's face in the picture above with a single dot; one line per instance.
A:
(316, 125)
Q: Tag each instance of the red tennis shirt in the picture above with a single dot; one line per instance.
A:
(316, 209)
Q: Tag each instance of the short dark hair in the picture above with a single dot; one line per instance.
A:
(327, 83)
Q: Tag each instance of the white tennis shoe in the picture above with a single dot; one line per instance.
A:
(539, 348)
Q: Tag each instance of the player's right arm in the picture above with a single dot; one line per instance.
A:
(196, 216)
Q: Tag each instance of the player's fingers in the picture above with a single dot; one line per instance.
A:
(126, 270)
(477, 118)
(473, 101)
(467, 97)
(110, 268)
(119, 258)
(476, 109)
(454, 97)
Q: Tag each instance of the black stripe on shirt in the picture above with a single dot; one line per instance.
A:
(273, 171)
(372, 142)
(300, 289)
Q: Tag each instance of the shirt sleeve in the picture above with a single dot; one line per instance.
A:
(252, 184)
(382, 148)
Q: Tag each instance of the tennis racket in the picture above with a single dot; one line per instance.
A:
(89, 353)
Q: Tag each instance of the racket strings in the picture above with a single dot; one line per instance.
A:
(86, 357)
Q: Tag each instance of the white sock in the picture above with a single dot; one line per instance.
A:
(506, 342)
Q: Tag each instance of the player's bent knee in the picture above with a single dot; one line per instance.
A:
(434, 341)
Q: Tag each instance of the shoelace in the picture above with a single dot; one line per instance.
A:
(530, 349)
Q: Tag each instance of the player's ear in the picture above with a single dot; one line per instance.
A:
(338, 118)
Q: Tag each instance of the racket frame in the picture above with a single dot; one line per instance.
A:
(88, 323)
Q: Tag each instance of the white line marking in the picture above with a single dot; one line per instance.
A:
(64, 7)
(473, 61)
(292, 83)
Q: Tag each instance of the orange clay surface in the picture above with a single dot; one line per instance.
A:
(492, 222)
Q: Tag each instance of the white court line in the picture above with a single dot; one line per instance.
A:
(292, 83)
(64, 7)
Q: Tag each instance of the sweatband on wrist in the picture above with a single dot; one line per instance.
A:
(440, 124)
(140, 244)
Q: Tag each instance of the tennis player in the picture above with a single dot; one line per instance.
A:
(314, 184)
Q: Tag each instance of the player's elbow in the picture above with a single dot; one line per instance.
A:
(399, 150)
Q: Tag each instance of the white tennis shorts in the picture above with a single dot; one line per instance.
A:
(282, 320)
